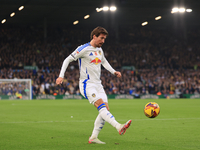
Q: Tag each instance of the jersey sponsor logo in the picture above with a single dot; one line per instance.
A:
(91, 54)
(96, 61)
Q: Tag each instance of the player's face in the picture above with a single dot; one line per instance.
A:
(98, 41)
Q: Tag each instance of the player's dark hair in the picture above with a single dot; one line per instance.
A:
(97, 31)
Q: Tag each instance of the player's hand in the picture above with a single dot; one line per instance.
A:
(59, 80)
(118, 74)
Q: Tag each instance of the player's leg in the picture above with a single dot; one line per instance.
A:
(98, 125)
(99, 122)
(93, 92)
(107, 116)
(89, 92)
(97, 96)
(121, 128)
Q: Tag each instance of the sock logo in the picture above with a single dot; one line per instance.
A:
(110, 114)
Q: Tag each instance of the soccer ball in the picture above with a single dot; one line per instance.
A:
(151, 109)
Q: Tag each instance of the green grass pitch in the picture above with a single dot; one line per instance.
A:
(49, 125)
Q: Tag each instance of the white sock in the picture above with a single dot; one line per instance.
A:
(108, 117)
(98, 125)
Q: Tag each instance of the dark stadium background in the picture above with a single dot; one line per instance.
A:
(164, 53)
(64, 12)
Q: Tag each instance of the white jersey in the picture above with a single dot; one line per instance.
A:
(90, 60)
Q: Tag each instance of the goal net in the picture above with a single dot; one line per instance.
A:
(15, 89)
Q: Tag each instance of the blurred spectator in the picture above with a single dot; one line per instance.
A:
(163, 61)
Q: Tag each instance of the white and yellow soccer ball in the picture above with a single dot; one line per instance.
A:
(151, 109)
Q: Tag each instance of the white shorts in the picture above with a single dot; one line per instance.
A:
(93, 92)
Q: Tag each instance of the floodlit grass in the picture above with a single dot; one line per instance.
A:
(48, 125)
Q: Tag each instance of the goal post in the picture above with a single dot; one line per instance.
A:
(15, 89)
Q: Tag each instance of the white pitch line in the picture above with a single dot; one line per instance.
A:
(93, 120)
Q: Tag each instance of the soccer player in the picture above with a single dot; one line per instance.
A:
(90, 58)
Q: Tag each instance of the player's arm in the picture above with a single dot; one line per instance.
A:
(107, 66)
(73, 57)
(65, 64)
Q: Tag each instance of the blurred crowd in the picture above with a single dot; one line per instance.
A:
(161, 61)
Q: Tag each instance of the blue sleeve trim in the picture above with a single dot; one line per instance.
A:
(83, 46)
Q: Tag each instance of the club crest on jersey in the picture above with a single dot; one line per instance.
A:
(99, 52)
(96, 61)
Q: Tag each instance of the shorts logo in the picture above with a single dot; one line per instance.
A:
(93, 95)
